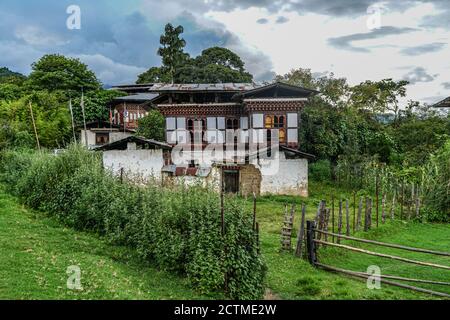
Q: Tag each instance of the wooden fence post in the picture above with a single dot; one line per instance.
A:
(402, 190)
(301, 233)
(366, 216)
(354, 212)
(358, 221)
(311, 245)
(347, 217)
(393, 206)
(411, 202)
(376, 197)
(370, 214)
(383, 208)
(316, 219)
(327, 217)
(332, 215)
(417, 202)
(340, 221)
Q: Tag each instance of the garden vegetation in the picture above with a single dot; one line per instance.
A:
(178, 229)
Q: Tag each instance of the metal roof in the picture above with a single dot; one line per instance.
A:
(120, 144)
(443, 104)
(232, 87)
(138, 97)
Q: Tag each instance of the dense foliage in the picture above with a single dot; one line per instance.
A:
(51, 116)
(152, 126)
(53, 82)
(436, 182)
(56, 72)
(178, 229)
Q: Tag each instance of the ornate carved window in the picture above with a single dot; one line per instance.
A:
(276, 122)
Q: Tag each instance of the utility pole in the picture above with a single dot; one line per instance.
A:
(34, 126)
(84, 118)
(73, 122)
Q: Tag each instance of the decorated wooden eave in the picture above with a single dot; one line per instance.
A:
(142, 142)
(443, 104)
(277, 90)
(186, 93)
(101, 125)
(134, 88)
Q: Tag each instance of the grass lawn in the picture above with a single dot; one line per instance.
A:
(293, 278)
(35, 252)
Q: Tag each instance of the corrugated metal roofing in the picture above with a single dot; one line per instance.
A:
(138, 97)
(443, 104)
(234, 87)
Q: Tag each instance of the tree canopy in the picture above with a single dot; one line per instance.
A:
(213, 65)
(56, 72)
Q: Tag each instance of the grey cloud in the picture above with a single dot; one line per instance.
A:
(446, 85)
(346, 42)
(281, 19)
(417, 75)
(339, 8)
(333, 8)
(423, 49)
(199, 37)
(262, 21)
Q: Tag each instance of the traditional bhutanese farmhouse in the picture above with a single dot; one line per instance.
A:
(99, 133)
(241, 137)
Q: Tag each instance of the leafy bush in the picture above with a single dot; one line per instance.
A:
(436, 186)
(320, 171)
(178, 229)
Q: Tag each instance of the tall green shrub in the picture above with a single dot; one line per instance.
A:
(177, 228)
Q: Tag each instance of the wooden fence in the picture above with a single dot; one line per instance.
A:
(343, 220)
(315, 231)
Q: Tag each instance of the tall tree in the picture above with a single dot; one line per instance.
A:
(379, 96)
(153, 75)
(57, 72)
(213, 65)
(171, 50)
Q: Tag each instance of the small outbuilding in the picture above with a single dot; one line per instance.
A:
(140, 159)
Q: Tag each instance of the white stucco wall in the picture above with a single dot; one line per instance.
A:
(113, 137)
(291, 178)
(138, 165)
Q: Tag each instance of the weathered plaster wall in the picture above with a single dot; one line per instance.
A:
(249, 180)
(139, 165)
(291, 178)
(113, 137)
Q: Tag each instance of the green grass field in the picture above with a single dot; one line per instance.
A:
(36, 250)
(293, 278)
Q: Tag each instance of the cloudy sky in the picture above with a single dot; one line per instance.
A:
(357, 39)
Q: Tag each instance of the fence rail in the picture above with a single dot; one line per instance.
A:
(383, 255)
(397, 284)
(313, 245)
(384, 244)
